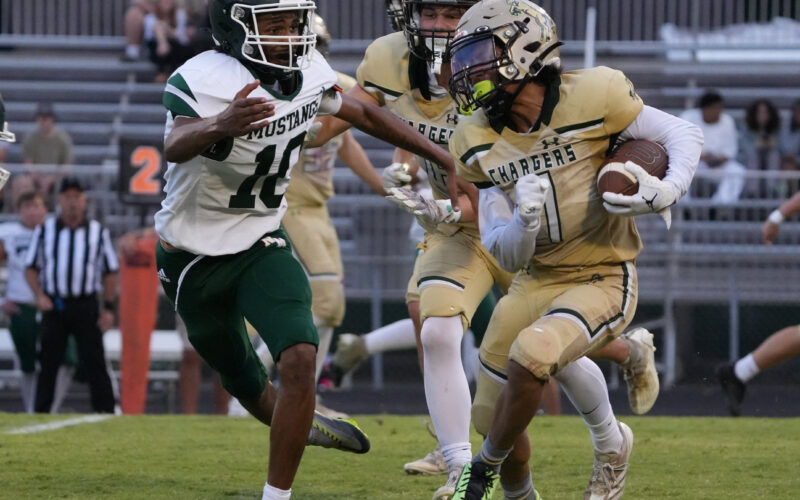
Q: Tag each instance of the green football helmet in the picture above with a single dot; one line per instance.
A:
(5, 134)
(234, 28)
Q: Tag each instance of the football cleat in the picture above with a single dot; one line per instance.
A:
(329, 412)
(350, 351)
(340, 434)
(477, 482)
(432, 464)
(610, 470)
(640, 372)
(447, 491)
(732, 388)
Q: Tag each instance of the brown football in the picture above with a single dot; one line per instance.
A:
(613, 177)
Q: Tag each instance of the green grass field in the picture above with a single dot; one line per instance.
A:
(157, 457)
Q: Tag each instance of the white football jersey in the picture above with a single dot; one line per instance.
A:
(16, 239)
(223, 201)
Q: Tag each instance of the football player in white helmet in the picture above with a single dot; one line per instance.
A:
(237, 118)
(533, 144)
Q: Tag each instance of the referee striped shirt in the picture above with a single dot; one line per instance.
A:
(71, 262)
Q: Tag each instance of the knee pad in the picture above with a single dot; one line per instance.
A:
(539, 347)
(442, 335)
(327, 301)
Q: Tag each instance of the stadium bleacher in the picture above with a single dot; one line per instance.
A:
(98, 99)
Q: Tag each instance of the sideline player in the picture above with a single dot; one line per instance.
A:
(237, 118)
(778, 347)
(534, 144)
(20, 303)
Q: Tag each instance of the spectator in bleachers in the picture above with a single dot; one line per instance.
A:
(133, 27)
(719, 150)
(790, 138)
(47, 145)
(199, 28)
(166, 36)
(758, 145)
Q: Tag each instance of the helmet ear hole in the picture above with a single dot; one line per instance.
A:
(532, 47)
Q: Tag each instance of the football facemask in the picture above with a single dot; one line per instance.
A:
(394, 9)
(481, 69)
(428, 44)
(281, 51)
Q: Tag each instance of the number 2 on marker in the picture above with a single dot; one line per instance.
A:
(147, 161)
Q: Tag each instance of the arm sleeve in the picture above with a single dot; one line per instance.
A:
(682, 140)
(331, 101)
(110, 262)
(503, 233)
(35, 254)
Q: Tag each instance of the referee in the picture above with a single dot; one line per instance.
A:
(70, 259)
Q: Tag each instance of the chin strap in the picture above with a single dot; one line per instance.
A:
(498, 110)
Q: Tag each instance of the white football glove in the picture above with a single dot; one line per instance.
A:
(531, 192)
(654, 196)
(4, 176)
(395, 176)
(313, 132)
(429, 213)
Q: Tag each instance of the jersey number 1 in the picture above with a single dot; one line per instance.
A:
(244, 197)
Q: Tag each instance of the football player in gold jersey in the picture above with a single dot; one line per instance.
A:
(407, 73)
(534, 145)
(307, 222)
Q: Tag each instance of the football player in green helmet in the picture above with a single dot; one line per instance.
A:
(237, 119)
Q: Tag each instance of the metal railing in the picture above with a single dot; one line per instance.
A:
(366, 19)
(712, 255)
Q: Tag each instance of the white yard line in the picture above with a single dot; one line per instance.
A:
(50, 426)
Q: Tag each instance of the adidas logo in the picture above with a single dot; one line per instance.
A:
(163, 276)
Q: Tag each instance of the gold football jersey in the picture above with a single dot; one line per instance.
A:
(312, 178)
(582, 114)
(396, 81)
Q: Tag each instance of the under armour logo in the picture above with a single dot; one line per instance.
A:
(650, 202)
(452, 118)
(547, 144)
(163, 276)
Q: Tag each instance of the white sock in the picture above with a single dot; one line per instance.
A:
(28, 389)
(446, 388)
(63, 381)
(132, 51)
(586, 388)
(264, 355)
(325, 336)
(392, 337)
(273, 493)
(746, 368)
